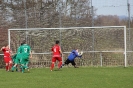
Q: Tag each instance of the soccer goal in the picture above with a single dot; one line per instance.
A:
(102, 46)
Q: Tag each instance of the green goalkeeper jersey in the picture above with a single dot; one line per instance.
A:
(24, 49)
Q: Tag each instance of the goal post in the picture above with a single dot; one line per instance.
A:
(102, 46)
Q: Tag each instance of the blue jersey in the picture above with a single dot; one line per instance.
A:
(73, 55)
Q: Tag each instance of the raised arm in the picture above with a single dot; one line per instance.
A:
(2, 48)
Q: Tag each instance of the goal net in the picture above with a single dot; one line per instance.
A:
(102, 46)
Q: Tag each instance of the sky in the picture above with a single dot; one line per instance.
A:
(113, 7)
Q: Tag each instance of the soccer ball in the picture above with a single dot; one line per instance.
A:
(81, 53)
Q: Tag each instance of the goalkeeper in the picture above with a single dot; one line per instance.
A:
(72, 56)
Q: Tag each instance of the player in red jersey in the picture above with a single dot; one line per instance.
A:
(7, 57)
(56, 55)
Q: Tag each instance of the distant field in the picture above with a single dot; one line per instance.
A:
(83, 77)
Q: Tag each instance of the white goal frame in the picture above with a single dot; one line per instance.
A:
(125, 43)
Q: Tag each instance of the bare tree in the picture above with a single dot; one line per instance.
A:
(107, 20)
(47, 13)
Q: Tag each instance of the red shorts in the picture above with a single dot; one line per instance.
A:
(56, 58)
(7, 59)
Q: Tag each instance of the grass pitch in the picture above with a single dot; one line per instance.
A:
(83, 77)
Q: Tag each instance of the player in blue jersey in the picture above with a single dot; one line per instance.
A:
(72, 56)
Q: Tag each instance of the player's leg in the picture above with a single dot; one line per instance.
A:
(14, 67)
(53, 63)
(23, 64)
(10, 65)
(13, 58)
(16, 62)
(67, 62)
(7, 67)
(18, 66)
(26, 64)
(74, 64)
(60, 62)
(6, 63)
(25, 61)
(22, 68)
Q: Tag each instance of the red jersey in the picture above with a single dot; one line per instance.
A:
(56, 51)
(6, 52)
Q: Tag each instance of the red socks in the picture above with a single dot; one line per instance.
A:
(10, 66)
(7, 68)
(59, 65)
(52, 66)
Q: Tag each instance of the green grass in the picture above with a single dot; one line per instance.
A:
(83, 77)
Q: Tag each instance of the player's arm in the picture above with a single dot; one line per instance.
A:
(2, 48)
(78, 54)
(52, 49)
(11, 53)
(60, 51)
(30, 54)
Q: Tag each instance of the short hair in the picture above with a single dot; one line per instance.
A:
(6, 45)
(57, 41)
(75, 48)
(23, 42)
